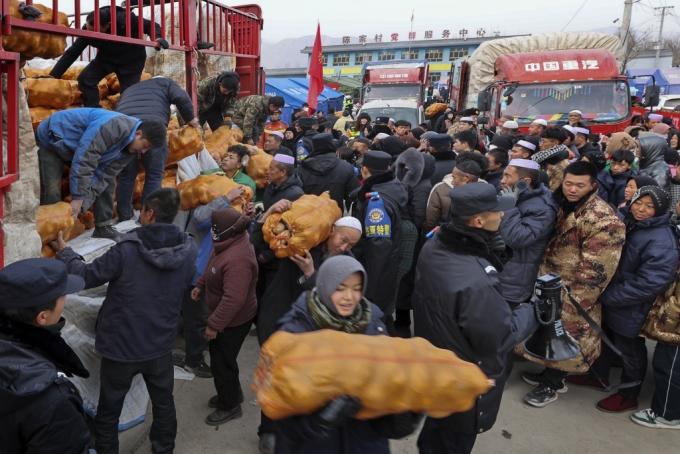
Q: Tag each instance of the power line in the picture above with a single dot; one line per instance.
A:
(577, 11)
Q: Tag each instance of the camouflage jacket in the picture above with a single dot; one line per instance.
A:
(663, 320)
(207, 91)
(251, 112)
(585, 250)
(556, 173)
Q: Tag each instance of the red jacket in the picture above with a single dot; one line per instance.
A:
(229, 283)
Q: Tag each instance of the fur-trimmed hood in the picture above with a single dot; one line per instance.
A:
(409, 167)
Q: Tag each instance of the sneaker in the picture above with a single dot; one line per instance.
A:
(267, 443)
(535, 380)
(540, 396)
(616, 403)
(648, 418)
(214, 401)
(106, 231)
(178, 360)
(220, 416)
(204, 45)
(202, 370)
(586, 381)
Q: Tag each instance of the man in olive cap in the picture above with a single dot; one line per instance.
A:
(468, 315)
(41, 410)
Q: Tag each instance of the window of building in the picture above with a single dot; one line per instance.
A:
(434, 55)
(409, 55)
(325, 60)
(434, 77)
(384, 56)
(457, 52)
(360, 59)
(340, 59)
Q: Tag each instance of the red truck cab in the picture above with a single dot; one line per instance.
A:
(548, 85)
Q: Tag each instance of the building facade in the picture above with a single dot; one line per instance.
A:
(346, 60)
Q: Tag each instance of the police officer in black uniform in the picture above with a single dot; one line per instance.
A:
(40, 410)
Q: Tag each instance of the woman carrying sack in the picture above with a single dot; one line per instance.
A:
(337, 303)
(229, 283)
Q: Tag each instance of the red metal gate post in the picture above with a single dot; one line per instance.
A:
(190, 41)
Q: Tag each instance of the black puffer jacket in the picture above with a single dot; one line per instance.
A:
(132, 56)
(468, 316)
(380, 255)
(151, 100)
(291, 189)
(652, 163)
(147, 271)
(40, 410)
(322, 171)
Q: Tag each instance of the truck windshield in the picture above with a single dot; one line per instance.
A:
(599, 101)
(395, 113)
(397, 91)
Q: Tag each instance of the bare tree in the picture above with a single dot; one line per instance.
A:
(672, 42)
(638, 42)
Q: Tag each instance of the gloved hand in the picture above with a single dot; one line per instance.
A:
(162, 43)
(337, 411)
(515, 190)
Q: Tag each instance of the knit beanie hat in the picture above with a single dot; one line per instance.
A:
(332, 273)
(596, 158)
(642, 180)
(227, 224)
(661, 128)
(621, 141)
(659, 198)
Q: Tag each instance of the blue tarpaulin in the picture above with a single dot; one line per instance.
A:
(640, 82)
(294, 93)
(668, 79)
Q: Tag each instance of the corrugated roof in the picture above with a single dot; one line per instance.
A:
(388, 45)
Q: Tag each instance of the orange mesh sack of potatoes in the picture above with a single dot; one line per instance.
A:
(258, 165)
(182, 143)
(306, 225)
(205, 188)
(48, 93)
(77, 94)
(298, 373)
(31, 44)
(435, 108)
(221, 139)
(50, 220)
(39, 114)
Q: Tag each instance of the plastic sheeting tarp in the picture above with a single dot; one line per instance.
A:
(294, 92)
(668, 79)
(483, 59)
(640, 82)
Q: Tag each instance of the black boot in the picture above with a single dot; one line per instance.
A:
(202, 45)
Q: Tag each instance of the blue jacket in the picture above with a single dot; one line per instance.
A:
(200, 227)
(147, 271)
(94, 141)
(611, 187)
(526, 228)
(302, 435)
(648, 265)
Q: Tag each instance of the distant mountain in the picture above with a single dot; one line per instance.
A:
(286, 53)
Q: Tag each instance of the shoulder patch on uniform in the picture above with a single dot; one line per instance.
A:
(489, 269)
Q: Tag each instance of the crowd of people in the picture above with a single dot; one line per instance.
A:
(446, 226)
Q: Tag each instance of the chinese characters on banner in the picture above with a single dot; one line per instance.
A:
(429, 34)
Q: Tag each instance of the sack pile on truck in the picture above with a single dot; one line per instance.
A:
(306, 225)
(219, 141)
(434, 109)
(258, 165)
(299, 373)
(29, 43)
(206, 188)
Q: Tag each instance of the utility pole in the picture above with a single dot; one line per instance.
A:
(658, 43)
(625, 25)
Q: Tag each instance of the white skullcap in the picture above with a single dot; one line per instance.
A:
(392, 120)
(541, 122)
(525, 144)
(349, 221)
(277, 134)
(525, 163)
(569, 128)
(382, 135)
(582, 131)
(576, 111)
(511, 125)
(468, 119)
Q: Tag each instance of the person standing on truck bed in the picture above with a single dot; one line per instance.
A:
(96, 144)
(251, 112)
(149, 100)
(217, 98)
(124, 59)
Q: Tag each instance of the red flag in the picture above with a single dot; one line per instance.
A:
(315, 71)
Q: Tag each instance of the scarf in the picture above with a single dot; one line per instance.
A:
(544, 155)
(354, 324)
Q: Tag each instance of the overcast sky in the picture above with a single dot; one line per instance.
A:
(291, 19)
